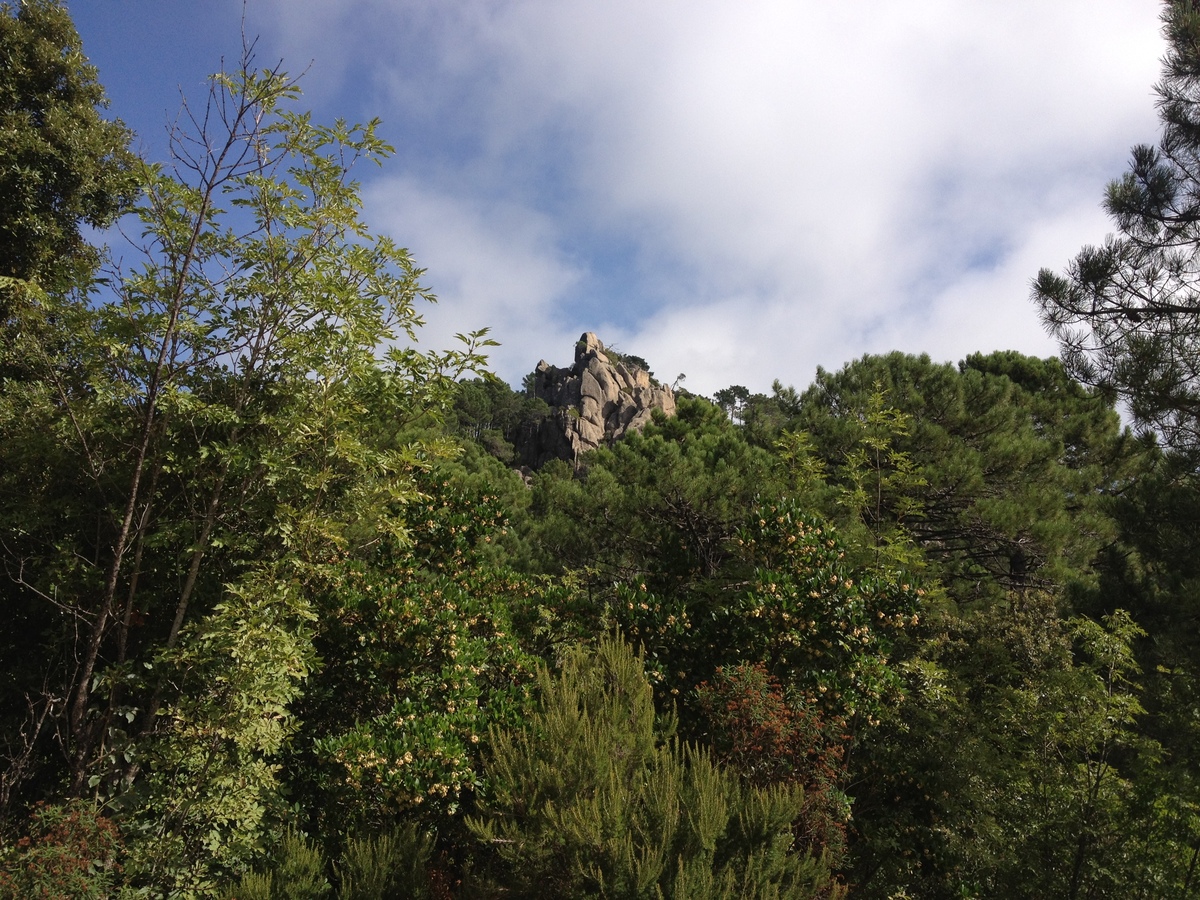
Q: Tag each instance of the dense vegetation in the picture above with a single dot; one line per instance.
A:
(281, 621)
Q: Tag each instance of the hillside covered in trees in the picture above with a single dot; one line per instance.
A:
(291, 614)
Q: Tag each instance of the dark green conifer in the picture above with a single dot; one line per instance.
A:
(1127, 313)
(595, 799)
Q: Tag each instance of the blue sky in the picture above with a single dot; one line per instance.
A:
(738, 191)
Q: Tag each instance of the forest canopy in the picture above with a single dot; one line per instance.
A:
(284, 620)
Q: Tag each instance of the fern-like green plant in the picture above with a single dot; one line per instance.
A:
(299, 874)
(393, 864)
(594, 798)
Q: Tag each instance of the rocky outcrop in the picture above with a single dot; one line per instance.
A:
(592, 403)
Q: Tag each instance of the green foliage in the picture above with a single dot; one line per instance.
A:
(660, 506)
(394, 864)
(417, 668)
(825, 623)
(1154, 571)
(70, 850)
(420, 656)
(61, 163)
(591, 799)
(253, 584)
(63, 166)
(879, 477)
(489, 412)
(803, 470)
(1017, 767)
(196, 442)
(703, 575)
(999, 469)
(733, 401)
(207, 801)
(1125, 313)
(299, 874)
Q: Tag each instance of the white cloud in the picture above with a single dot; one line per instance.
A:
(490, 266)
(744, 191)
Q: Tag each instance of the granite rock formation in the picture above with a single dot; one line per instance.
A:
(592, 403)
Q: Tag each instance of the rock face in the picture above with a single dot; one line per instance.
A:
(594, 402)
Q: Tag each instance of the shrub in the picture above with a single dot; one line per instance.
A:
(594, 798)
(70, 852)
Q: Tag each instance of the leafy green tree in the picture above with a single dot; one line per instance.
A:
(1127, 313)
(420, 656)
(733, 400)
(790, 598)
(646, 536)
(592, 798)
(660, 506)
(880, 486)
(62, 164)
(70, 850)
(679, 538)
(1080, 728)
(818, 618)
(489, 412)
(205, 796)
(1019, 765)
(1153, 572)
(191, 444)
(1001, 469)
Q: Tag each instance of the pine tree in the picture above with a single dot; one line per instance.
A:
(594, 799)
(1127, 313)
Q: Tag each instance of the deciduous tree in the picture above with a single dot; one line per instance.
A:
(191, 439)
(62, 164)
